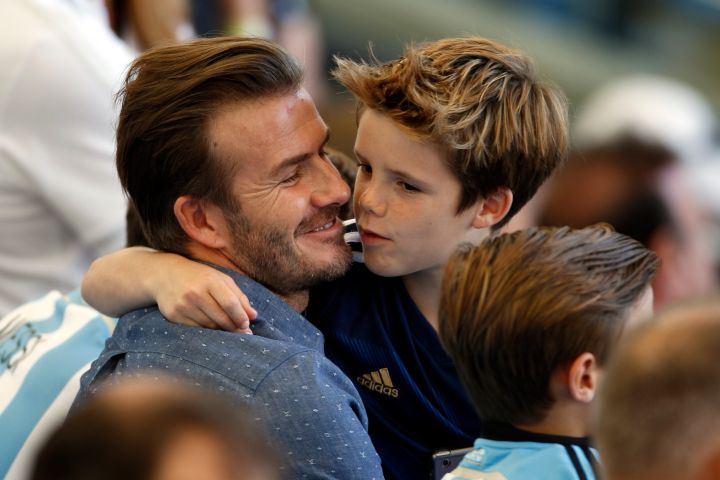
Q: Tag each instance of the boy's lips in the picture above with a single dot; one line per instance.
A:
(369, 237)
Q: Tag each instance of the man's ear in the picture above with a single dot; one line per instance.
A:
(202, 221)
(493, 208)
(583, 378)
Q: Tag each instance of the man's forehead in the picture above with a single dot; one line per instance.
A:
(283, 125)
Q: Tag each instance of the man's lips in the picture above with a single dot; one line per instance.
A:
(321, 228)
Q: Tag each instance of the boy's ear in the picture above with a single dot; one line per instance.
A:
(202, 221)
(493, 208)
(583, 377)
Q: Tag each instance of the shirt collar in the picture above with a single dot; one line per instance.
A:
(506, 432)
(275, 318)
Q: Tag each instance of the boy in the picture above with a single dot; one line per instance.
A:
(529, 319)
(453, 139)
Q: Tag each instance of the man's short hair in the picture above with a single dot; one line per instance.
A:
(169, 95)
(520, 305)
(481, 102)
(659, 407)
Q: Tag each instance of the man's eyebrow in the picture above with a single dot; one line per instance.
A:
(292, 161)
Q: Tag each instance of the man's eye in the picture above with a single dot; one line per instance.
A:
(290, 180)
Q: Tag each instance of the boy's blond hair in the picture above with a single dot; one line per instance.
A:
(520, 305)
(481, 102)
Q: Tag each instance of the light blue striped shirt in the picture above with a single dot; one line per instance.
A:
(45, 345)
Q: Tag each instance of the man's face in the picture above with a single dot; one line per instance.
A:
(286, 193)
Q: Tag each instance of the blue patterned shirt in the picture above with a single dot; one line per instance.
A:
(310, 409)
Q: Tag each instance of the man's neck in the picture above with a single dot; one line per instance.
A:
(298, 301)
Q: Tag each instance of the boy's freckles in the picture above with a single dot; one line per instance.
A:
(406, 200)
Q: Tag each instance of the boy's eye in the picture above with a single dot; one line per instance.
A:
(409, 187)
(365, 168)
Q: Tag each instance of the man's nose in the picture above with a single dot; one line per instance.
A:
(331, 188)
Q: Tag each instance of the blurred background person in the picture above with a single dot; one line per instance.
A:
(291, 23)
(60, 201)
(142, 24)
(157, 429)
(639, 145)
(659, 415)
(45, 346)
(61, 204)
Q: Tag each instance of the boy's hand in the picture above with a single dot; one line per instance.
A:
(198, 295)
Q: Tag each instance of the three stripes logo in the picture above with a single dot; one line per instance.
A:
(379, 381)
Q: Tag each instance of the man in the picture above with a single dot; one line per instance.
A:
(659, 413)
(222, 153)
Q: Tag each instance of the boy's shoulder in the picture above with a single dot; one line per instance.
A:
(514, 454)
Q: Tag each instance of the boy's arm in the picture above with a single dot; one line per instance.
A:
(316, 420)
(186, 292)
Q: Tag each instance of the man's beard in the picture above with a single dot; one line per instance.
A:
(267, 255)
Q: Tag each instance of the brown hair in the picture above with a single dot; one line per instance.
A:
(481, 102)
(126, 429)
(522, 304)
(169, 95)
(134, 236)
(659, 408)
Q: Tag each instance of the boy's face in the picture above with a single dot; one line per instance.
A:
(405, 200)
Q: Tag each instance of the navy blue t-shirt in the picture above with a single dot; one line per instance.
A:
(415, 402)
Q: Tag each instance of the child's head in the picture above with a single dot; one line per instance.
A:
(538, 306)
(659, 409)
(479, 103)
(156, 428)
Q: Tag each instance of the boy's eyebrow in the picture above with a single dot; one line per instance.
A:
(292, 161)
(398, 173)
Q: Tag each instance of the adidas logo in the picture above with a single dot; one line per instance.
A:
(379, 381)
